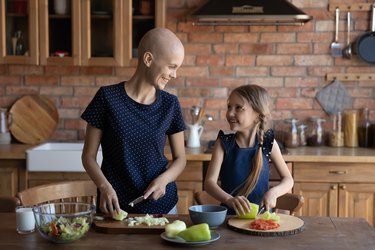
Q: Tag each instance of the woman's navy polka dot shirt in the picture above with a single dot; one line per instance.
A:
(133, 140)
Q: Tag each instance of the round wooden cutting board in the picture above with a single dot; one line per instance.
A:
(34, 119)
(288, 225)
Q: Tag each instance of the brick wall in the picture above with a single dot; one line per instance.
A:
(290, 61)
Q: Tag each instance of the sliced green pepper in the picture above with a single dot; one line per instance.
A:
(199, 232)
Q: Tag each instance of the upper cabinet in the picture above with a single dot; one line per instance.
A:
(76, 32)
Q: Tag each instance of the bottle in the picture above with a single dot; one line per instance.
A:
(292, 137)
(315, 135)
(302, 134)
(20, 48)
(364, 129)
(336, 137)
(350, 128)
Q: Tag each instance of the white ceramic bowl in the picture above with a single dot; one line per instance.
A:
(213, 215)
(63, 222)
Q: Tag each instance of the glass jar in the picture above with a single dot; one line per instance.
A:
(364, 129)
(350, 128)
(292, 136)
(336, 136)
(315, 132)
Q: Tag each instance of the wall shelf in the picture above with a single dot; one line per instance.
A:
(350, 77)
(350, 7)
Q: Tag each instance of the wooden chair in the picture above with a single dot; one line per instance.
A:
(75, 191)
(8, 204)
(287, 203)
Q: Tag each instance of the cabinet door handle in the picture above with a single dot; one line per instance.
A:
(343, 187)
(334, 187)
(337, 172)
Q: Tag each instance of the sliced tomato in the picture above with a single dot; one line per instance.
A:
(261, 224)
(54, 229)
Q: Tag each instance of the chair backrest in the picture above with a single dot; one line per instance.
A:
(287, 202)
(77, 191)
(8, 204)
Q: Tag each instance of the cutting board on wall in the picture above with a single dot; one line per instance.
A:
(34, 119)
(289, 225)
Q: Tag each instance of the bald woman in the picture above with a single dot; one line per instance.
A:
(131, 121)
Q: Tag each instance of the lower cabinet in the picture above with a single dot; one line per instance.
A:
(13, 176)
(336, 189)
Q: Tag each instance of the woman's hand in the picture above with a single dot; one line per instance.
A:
(240, 204)
(156, 189)
(108, 200)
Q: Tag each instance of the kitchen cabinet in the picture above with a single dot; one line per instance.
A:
(19, 32)
(13, 176)
(88, 33)
(336, 189)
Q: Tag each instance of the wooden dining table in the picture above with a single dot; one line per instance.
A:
(319, 233)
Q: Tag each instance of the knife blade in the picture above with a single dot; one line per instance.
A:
(262, 209)
(136, 201)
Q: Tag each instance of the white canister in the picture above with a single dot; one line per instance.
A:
(25, 220)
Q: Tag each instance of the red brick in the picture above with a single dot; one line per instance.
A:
(41, 80)
(302, 82)
(240, 37)
(233, 82)
(222, 71)
(15, 90)
(189, 28)
(25, 70)
(206, 37)
(56, 91)
(105, 80)
(77, 81)
(266, 81)
(210, 60)
(200, 49)
(189, 102)
(62, 70)
(125, 72)
(225, 48)
(314, 37)
(313, 60)
(10, 80)
(282, 92)
(75, 102)
(69, 113)
(96, 71)
(200, 82)
(65, 135)
(264, 60)
(279, 37)
(256, 48)
(216, 103)
(239, 60)
(194, 92)
(232, 28)
(252, 71)
(294, 48)
(192, 72)
(3, 69)
(288, 71)
(74, 124)
(288, 103)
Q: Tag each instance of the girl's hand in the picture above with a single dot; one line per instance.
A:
(269, 199)
(240, 204)
(108, 200)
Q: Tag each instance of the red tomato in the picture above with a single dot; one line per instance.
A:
(261, 224)
(54, 229)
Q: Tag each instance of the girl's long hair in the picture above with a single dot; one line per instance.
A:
(259, 100)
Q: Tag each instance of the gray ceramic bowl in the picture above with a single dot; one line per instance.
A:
(213, 215)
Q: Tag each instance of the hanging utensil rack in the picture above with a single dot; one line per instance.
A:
(351, 7)
(350, 77)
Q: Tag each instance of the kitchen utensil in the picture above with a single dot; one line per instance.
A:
(366, 43)
(194, 111)
(195, 132)
(136, 201)
(347, 51)
(262, 210)
(200, 116)
(334, 97)
(111, 226)
(336, 47)
(289, 225)
(35, 119)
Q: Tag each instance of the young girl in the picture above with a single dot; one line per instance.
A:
(241, 159)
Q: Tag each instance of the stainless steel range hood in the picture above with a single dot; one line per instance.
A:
(249, 12)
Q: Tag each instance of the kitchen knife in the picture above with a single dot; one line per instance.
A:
(262, 209)
(136, 201)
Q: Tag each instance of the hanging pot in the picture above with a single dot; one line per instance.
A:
(366, 43)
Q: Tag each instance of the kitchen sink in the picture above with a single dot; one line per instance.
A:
(57, 157)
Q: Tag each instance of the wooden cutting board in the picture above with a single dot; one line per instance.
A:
(288, 225)
(34, 119)
(111, 226)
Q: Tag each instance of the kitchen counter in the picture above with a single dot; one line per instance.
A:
(301, 154)
(319, 233)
